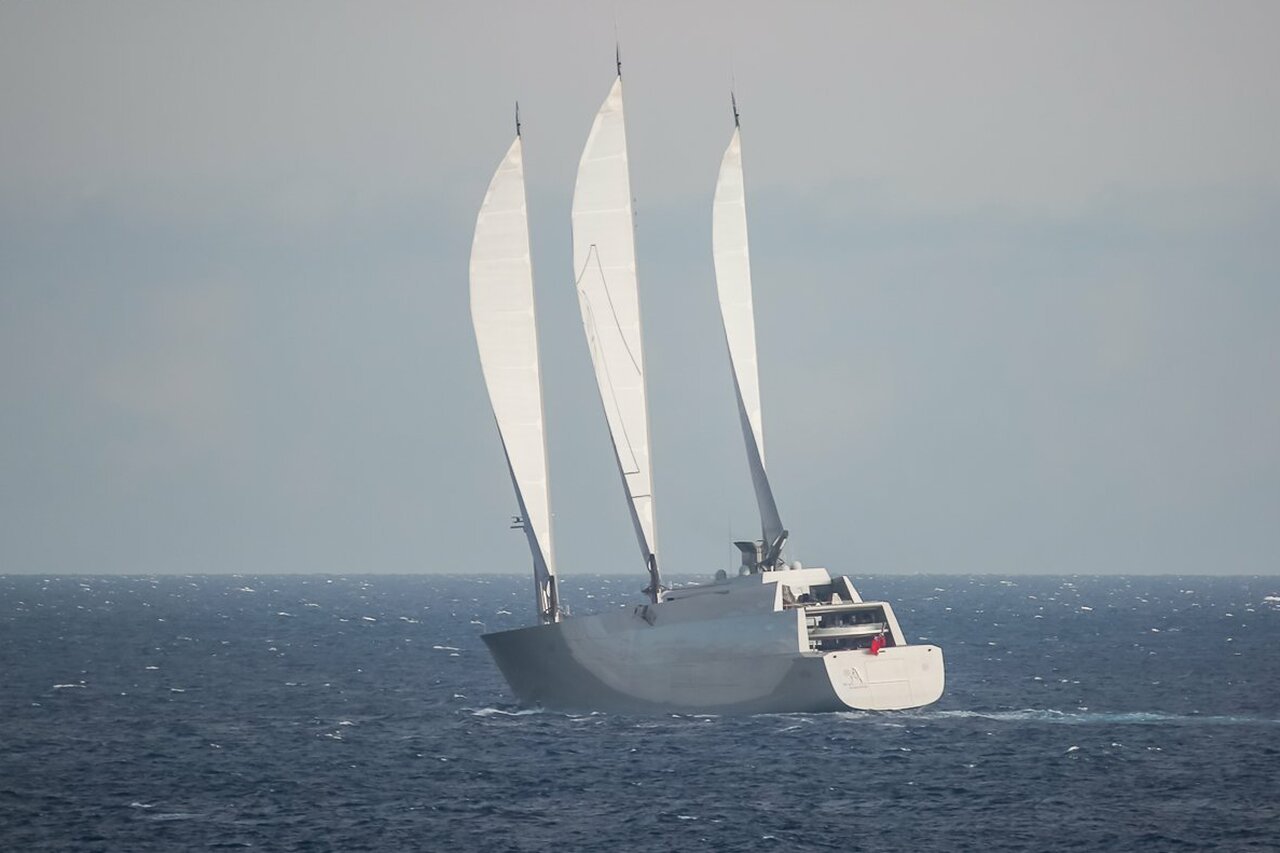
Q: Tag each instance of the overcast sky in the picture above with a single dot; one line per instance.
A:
(1016, 265)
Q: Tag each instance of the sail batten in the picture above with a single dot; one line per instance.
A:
(604, 260)
(733, 286)
(502, 313)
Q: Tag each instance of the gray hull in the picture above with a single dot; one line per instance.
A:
(542, 670)
(732, 648)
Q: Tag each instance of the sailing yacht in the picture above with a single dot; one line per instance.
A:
(776, 637)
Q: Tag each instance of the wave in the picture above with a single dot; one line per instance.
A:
(1049, 715)
(517, 711)
(503, 712)
(167, 816)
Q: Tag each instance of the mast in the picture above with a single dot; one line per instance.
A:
(733, 285)
(502, 312)
(604, 261)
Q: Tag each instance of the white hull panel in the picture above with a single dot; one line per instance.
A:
(740, 664)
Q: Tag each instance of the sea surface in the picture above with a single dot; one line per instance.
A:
(364, 713)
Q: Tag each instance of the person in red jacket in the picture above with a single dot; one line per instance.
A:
(877, 643)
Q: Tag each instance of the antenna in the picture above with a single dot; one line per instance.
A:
(733, 99)
(617, 43)
(517, 118)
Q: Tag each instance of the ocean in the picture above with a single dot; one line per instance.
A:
(363, 713)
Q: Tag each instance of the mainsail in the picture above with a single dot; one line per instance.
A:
(506, 334)
(733, 283)
(604, 260)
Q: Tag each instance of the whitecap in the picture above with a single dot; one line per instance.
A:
(1083, 717)
(65, 686)
(447, 648)
(500, 712)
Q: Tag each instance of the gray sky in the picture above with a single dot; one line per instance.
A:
(1017, 275)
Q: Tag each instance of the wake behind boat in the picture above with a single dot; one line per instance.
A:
(775, 638)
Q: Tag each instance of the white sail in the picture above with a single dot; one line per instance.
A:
(502, 313)
(604, 260)
(733, 283)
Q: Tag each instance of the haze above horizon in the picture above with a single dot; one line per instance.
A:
(1016, 268)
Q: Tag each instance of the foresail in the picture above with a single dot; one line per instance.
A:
(604, 260)
(502, 313)
(733, 284)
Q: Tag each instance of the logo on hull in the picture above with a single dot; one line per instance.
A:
(852, 678)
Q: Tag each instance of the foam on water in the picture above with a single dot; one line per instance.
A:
(505, 712)
(1050, 715)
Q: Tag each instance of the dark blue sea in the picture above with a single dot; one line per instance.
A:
(363, 713)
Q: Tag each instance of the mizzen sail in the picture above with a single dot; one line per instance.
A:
(733, 284)
(502, 313)
(604, 260)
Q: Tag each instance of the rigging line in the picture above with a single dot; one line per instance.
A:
(617, 407)
(613, 310)
(617, 323)
(593, 339)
